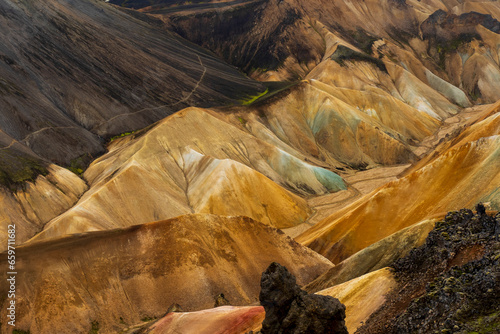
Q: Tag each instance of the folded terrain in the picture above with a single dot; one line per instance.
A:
(466, 173)
(75, 72)
(145, 98)
(27, 204)
(119, 277)
(194, 161)
(374, 257)
(448, 45)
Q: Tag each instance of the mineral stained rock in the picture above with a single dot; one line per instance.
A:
(291, 310)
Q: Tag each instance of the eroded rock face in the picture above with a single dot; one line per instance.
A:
(450, 284)
(291, 310)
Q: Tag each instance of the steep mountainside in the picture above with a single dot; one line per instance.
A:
(196, 131)
(73, 72)
(119, 277)
(438, 41)
(26, 203)
(194, 161)
(449, 284)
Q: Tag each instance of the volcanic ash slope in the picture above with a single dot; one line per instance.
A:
(32, 190)
(74, 71)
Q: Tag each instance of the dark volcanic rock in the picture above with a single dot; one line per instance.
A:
(291, 310)
(451, 284)
(447, 31)
(443, 25)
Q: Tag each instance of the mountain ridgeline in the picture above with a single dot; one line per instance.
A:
(157, 156)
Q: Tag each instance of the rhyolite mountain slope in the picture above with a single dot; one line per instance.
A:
(121, 276)
(195, 161)
(438, 41)
(460, 176)
(381, 82)
(386, 73)
(73, 72)
(28, 204)
(72, 75)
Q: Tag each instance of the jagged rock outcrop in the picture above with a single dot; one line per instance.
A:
(291, 310)
(450, 284)
(374, 257)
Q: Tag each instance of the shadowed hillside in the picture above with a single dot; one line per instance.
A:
(76, 72)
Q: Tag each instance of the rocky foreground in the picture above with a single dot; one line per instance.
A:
(451, 284)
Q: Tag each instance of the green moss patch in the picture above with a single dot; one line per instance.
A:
(251, 99)
(17, 168)
(121, 135)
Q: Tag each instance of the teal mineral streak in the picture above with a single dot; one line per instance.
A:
(329, 179)
(299, 172)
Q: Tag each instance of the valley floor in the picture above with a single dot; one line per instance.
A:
(361, 183)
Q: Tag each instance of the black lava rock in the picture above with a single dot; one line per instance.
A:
(464, 297)
(291, 310)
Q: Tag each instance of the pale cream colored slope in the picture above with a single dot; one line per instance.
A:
(481, 75)
(206, 132)
(484, 122)
(155, 185)
(38, 203)
(459, 178)
(312, 120)
(362, 296)
(424, 70)
(397, 82)
(407, 121)
(220, 320)
(121, 276)
(356, 114)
